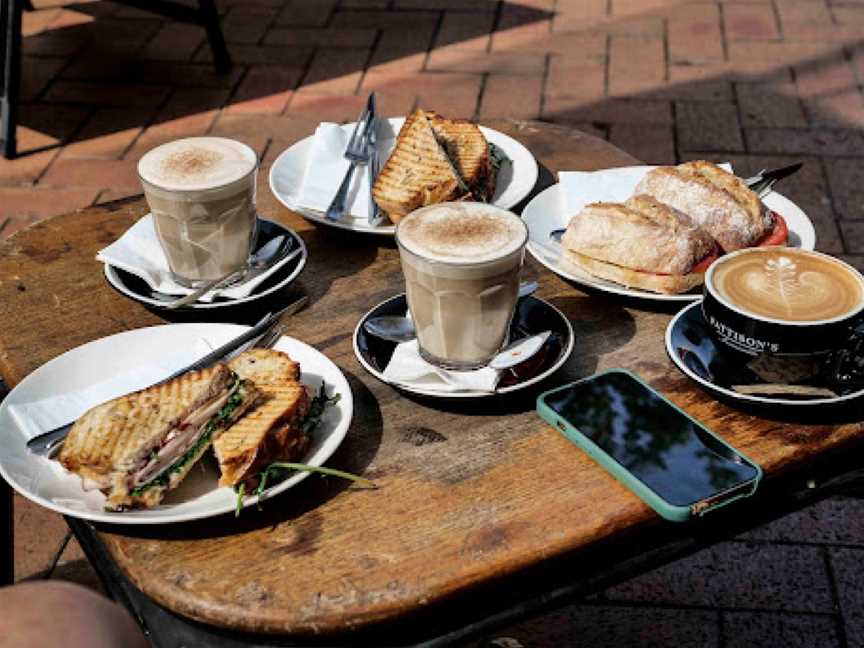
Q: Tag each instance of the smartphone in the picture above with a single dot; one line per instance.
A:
(671, 461)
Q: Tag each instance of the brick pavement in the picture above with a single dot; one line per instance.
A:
(757, 82)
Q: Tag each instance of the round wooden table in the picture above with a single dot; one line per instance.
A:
(470, 493)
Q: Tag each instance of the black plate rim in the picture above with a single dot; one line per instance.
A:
(113, 278)
(748, 398)
(559, 361)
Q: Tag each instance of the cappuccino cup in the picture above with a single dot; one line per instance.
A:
(201, 193)
(461, 263)
(782, 302)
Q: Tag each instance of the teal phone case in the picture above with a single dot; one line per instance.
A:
(672, 512)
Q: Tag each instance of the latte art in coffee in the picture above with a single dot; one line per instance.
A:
(788, 285)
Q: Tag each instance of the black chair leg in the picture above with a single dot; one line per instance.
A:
(210, 20)
(10, 50)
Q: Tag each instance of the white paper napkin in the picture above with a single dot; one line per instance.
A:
(46, 414)
(605, 185)
(406, 367)
(326, 166)
(139, 252)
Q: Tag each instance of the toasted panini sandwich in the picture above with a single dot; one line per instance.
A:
(718, 202)
(137, 447)
(273, 429)
(434, 160)
(641, 243)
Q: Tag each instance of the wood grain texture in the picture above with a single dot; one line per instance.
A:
(467, 491)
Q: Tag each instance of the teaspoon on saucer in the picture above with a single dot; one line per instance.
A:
(397, 328)
(262, 259)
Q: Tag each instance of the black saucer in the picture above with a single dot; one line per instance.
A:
(692, 350)
(532, 316)
(136, 288)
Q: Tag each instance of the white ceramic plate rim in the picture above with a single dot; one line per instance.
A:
(114, 279)
(562, 358)
(709, 386)
(514, 149)
(80, 357)
(799, 224)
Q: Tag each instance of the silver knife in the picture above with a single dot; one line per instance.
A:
(763, 181)
(373, 166)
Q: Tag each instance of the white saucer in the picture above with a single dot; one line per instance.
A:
(515, 181)
(548, 212)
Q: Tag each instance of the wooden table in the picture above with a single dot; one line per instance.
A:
(481, 507)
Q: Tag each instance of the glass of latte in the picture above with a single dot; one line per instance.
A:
(461, 263)
(201, 192)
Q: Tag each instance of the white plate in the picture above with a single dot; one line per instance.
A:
(515, 181)
(47, 483)
(547, 212)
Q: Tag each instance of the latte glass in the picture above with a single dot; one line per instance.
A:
(461, 263)
(201, 192)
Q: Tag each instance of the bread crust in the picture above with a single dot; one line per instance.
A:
(641, 234)
(664, 284)
(713, 198)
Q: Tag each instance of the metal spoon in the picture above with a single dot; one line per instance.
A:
(397, 328)
(258, 262)
(519, 351)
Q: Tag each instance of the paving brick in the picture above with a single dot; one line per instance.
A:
(624, 111)
(855, 260)
(605, 626)
(266, 89)
(456, 59)
(327, 108)
(635, 64)
(694, 34)
(844, 109)
(384, 19)
(708, 126)
(769, 577)
(469, 31)
(243, 54)
(164, 131)
(448, 5)
(98, 94)
(578, 15)
(750, 21)
(37, 72)
(337, 37)
(846, 566)
(306, 12)
(653, 144)
(247, 24)
(95, 174)
(109, 132)
(39, 535)
(174, 41)
(335, 71)
(396, 43)
(581, 78)
(836, 520)
(774, 105)
(747, 629)
(516, 97)
(845, 178)
(26, 169)
(824, 77)
(801, 141)
(767, 58)
(697, 83)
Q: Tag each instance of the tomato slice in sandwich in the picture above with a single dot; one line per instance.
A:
(711, 257)
(778, 234)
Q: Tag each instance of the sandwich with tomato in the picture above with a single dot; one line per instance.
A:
(717, 201)
(641, 243)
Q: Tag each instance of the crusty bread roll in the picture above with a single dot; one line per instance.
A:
(641, 234)
(714, 199)
(666, 284)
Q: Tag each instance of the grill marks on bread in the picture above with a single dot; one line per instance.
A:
(418, 173)
(713, 198)
(116, 436)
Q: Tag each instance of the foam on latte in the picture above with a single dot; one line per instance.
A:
(788, 284)
(462, 233)
(197, 163)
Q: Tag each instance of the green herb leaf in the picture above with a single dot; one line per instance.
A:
(241, 493)
(316, 409)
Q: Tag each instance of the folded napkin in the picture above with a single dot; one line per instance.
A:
(605, 185)
(46, 414)
(139, 252)
(406, 367)
(326, 166)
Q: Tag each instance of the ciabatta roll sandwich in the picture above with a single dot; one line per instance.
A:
(718, 202)
(639, 244)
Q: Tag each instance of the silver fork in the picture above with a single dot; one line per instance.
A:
(357, 152)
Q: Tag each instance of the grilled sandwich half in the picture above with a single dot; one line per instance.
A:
(434, 160)
(273, 429)
(137, 447)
